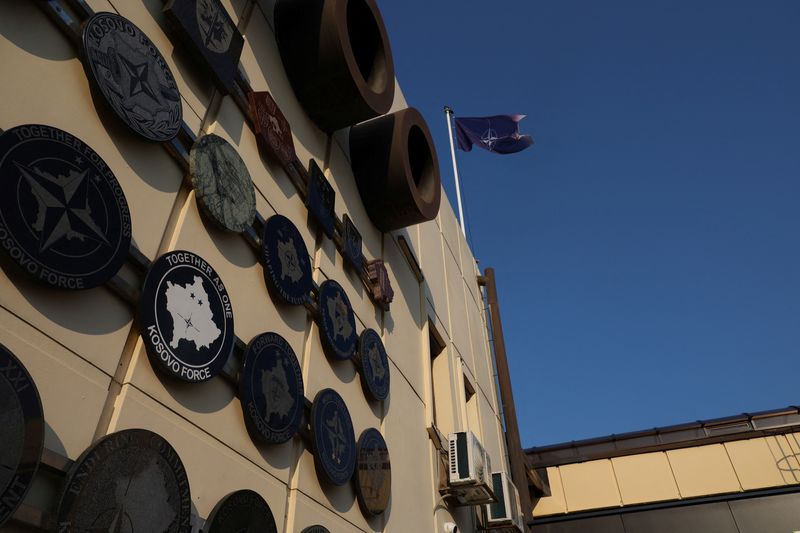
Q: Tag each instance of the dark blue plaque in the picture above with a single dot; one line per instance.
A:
(315, 529)
(242, 511)
(132, 480)
(373, 473)
(23, 433)
(186, 317)
(334, 440)
(271, 389)
(63, 216)
(131, 74)
(352, 244)
(374, 364)
(337, 322)
(321, 199)
(287, 268)
(210, 34)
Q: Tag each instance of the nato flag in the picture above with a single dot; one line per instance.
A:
(499, 133)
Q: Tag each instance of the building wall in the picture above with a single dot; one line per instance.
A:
(722, 468)
(84, 350)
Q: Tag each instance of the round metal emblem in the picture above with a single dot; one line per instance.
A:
(63, 216)
(287, 268)
(222, 183)
(243, 511)
(373, 473)
(130, 481)
(22, 421)
(185, 317)
(315, 529)
(374, 364)
(337, 323)
(271, 389)
(334, 440)
(132, 75)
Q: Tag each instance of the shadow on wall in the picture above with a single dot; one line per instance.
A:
(31, 31)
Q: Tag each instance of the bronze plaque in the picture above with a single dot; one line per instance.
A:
(379, 280)
(272, 130)
(373, 473)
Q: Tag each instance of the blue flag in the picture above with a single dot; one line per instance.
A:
(499, 133)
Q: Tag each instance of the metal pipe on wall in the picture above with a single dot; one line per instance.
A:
(513, 443)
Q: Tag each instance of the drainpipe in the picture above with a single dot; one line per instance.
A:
(515, 453)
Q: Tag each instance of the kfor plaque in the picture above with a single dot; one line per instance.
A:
(186, 317)
(337, 322)
(320, 200)
(63, 216)
(23, 433)
(132, 481)
(132, 75)
(374, 364)
(222, 183)
(273, 134)
(243, 511)
(271, 389)
(287, 267)
(207, 30)
(334, 440)
(373, 473)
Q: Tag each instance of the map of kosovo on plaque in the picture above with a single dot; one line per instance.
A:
(207, 30)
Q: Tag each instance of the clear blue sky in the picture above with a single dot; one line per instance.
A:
(648, 246)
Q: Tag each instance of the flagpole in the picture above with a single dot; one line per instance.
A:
(449, 115)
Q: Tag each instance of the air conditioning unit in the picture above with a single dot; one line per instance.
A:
(504, 516)
(470, 467)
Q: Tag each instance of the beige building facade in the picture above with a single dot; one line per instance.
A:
(85, 350)
(738, 474)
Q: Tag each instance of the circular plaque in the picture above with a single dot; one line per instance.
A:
(132, 75)
(337, 323)
(22, 421)
(287, 269)
(63, 216)
(315, 529)
(222, 183)
(243, 511)
(374, 364)
(334, 440)
(373, 473)
(185, 317)
(271, 389)
(132, 481)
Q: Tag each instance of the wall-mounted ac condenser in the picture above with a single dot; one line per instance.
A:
(470, 469)
(504, 515)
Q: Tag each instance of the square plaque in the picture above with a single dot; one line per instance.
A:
(352, 244)
(320, 199)
(206, 29)
(381, 286)
(272, 130)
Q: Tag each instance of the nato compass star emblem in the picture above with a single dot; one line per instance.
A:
(63, 215)
(64, 210)
(139, 78)
(489, 138)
